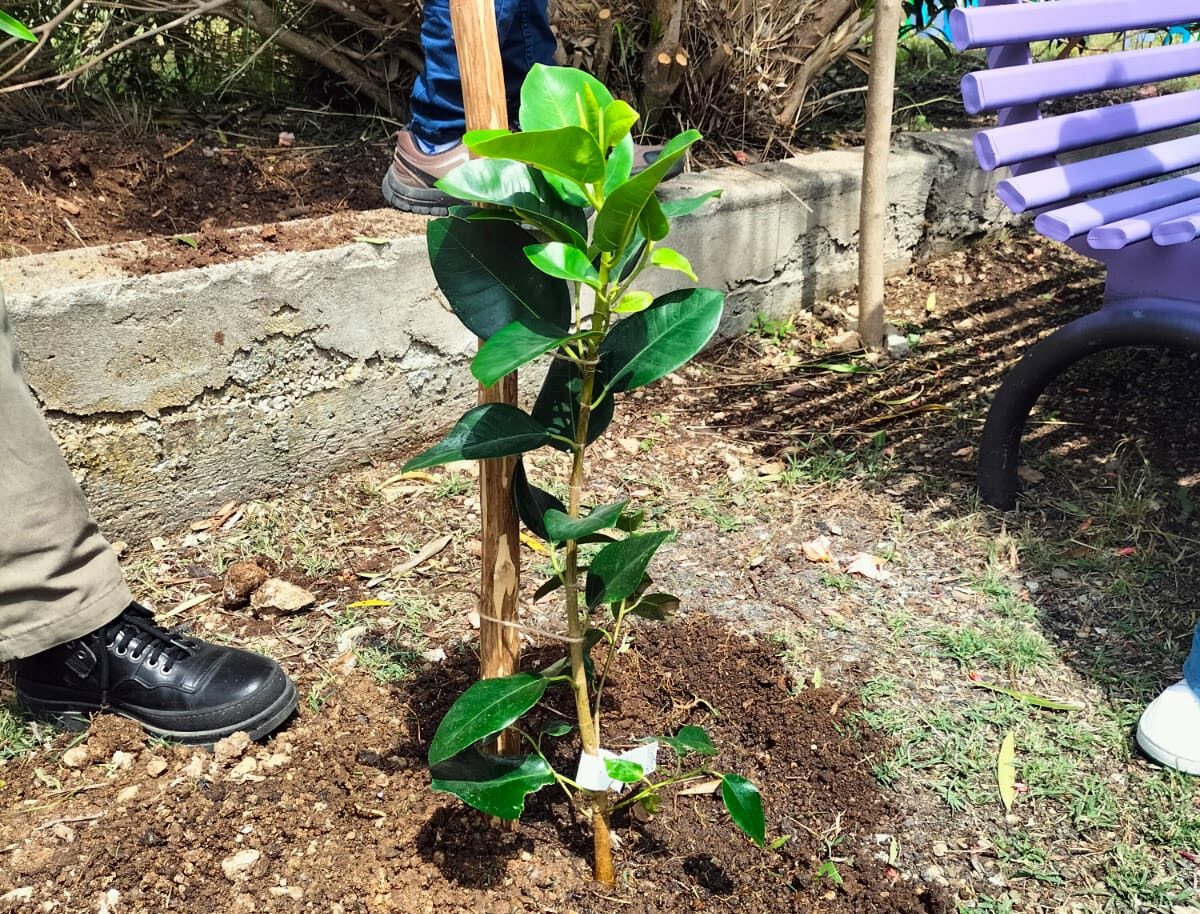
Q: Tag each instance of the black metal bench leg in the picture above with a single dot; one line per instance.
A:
(1168, 323)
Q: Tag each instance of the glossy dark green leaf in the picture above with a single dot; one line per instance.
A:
(481, 269)
(620, 165)
(617, 219)
(557, 405)
(563, 261)
(533, 503)
(483, 433)
(653, 223)
(524, 191)
(618, 568)
(484, 709)
(17, 29)
(556, 728)
(656, 607)
(687, 205)
(744, 803)
(560, 527)
(569, 152)
(689, 739)
(551, 97)
(492, 784)
(623, 770)
(650, 344)
(510, 347)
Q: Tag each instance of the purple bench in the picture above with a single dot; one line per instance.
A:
(1136, 211)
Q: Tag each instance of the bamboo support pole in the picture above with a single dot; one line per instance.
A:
(484, 98)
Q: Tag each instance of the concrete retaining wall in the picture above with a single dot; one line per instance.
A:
(172, 394)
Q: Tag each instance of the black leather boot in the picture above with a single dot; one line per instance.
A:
(176, 687)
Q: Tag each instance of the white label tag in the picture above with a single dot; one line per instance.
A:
(593, 775)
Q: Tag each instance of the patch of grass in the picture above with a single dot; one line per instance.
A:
(1135, 878)
(1006, 645)
(17, 735)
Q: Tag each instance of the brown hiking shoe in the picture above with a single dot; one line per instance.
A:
(408, 184)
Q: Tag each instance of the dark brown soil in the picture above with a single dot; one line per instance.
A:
(339, 809)
(70, 189)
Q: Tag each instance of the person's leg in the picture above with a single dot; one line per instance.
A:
(59, 578)
(430, 147)
(1169, 729)
(78, 643)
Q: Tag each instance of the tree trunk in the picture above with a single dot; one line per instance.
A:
(873, 211)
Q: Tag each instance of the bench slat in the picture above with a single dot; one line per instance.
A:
(983, 27)
(1069, 222)
(1117, 235)
(1018, 142)
(1178, 231)
(1052, 185)
(989, 90)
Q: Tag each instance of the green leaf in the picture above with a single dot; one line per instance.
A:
(550, 97)
(532, 502)
(633, 302)
(689, 739)
(492, 784)
(548, 587)
(556, 728)
(1030, 698)
(11, 26)
(557, 405)
(646, 346)
(561, 527)
(471, 137)
(631, 521)
(523, 190)
(653, 223)
(189, 240)
(484, 709)
(619, 216)
(569, 152)
(623, 770)
(687, 205)
(657, 607)
(617, 569)
(481, 269)
(483, 433)
(1006, 771)
(563, 261)
(620, 165)
(619, 118)
(670, 259)
(744, 803)
(509, 348)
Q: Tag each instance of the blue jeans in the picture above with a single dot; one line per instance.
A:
(437, 102)
(1191, 666)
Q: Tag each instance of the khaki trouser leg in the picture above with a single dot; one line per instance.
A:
(59, 578)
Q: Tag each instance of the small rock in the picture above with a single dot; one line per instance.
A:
(276, 760)
(17, 896)
(156, 767)
(238, 865)
(293, 892)
(897, 346)
(63, 832)
(194, 769)
(75, 757)
(241, 580)
(849, 341)
(629, 445)
(940, 849)
(108, 901)
(232, 747)
(351, 638)
(121, 760)
(436, 655)
(244, 769)
(128, 794)
(281, 596)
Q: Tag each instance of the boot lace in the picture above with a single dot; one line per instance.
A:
(135, 631)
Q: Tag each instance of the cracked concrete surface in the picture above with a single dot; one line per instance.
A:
(172, 394)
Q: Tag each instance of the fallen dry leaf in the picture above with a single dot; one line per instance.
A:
(869, 566)
(818, 550)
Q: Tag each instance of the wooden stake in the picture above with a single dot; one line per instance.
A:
(878, 143)
(485, 101)
(604, 41)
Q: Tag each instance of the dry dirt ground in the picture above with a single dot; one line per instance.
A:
(865, 680)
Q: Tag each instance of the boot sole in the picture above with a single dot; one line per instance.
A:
(423, 201)
(74, 716)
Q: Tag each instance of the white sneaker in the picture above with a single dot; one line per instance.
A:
(1169, 730)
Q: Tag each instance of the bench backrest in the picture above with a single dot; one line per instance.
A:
(1081, 198)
